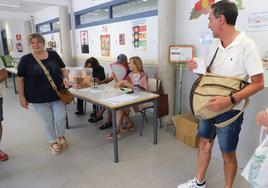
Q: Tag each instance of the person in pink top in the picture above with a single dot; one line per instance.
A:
(137, 79)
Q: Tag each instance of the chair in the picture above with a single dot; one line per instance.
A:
(154, 86)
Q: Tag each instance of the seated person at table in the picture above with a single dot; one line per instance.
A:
(137, 78)
(98, 74)
(121, 59)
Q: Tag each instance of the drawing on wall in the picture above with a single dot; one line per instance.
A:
(18, 43)
(139, 30)
(105, 45)
(51, 45)
(201, 7)
(84, 42)
(258, 21)
(122, 39)
(9, 45)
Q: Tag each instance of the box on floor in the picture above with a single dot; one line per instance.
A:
(186, 129)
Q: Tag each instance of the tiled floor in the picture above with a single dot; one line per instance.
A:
(88, 162)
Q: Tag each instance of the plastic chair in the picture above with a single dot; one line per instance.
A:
(154, 86)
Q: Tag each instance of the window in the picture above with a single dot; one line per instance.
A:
(50, 26)
(56, 25)
(134, 7)
(44, 28)
(94, 16)
(115, 11)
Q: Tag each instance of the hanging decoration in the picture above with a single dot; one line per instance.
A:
(201, 7)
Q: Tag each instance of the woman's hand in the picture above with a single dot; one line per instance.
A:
(262, 119)
(23, 102)
(66, 81)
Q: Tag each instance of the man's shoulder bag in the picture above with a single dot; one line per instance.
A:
(210, 85)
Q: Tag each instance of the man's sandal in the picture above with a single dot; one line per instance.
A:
(55, 148)
(3, 156)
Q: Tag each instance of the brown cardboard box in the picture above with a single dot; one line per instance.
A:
(186, 129)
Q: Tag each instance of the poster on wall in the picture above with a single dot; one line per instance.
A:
(258, 21)
(51, 45)
(139, 30)
(105, 45)
(84, 42)
(18, 43)
(122, 40)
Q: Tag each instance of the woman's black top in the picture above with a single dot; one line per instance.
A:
(37, 88)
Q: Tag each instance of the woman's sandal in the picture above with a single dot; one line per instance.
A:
(94, 119)
(106, 126)
(128, 128)
(3, 156)
(55, 148)
(110, 135)
(63, 143)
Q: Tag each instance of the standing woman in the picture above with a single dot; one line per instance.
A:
(34, 87)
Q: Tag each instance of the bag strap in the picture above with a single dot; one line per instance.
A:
(212, 60)
(51, 81)
(229, 121)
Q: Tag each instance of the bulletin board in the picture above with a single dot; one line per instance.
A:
(180, 53)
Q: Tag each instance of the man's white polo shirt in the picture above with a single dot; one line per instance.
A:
(240, 58)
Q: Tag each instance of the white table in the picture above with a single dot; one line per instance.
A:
(13, 72)
(106, 95)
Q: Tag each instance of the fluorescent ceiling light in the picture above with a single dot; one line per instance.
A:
(6, 4)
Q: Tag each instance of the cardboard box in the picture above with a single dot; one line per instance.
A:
(186, 129)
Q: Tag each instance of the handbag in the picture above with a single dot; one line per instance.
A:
(255, 171)
(210, 85)
(63, 93)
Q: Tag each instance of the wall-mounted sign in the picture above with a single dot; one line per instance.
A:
(180, 53)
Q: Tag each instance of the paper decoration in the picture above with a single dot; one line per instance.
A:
(105, 45)
(84, 42)
(119, 70)
(201, 7)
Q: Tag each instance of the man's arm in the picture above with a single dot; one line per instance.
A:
(3, 75)
(219, 102)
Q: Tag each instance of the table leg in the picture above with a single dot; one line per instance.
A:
(116, 158)
(155, 121)
(14, 83)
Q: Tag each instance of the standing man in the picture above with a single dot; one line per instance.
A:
(237, 56)
(3, 76)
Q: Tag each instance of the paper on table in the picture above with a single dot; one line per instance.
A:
(201, 68)
(91, 90)
(120, 99)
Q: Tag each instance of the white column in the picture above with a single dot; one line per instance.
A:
(166, 37)
(28, 31)
(65, 35)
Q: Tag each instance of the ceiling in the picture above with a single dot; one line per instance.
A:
(29, 6)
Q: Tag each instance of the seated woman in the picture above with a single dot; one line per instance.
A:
(137, 78)
(98, 75)
(262, 119)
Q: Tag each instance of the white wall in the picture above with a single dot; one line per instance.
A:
(188, 32)
(82, 4)
(14, 27)
(149, 54)
(46, 14)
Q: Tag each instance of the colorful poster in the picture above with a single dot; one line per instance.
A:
(122, 40)
(84, 42)
(140, 35)
(105, 45)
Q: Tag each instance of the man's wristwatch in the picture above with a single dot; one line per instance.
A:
(232, 99)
